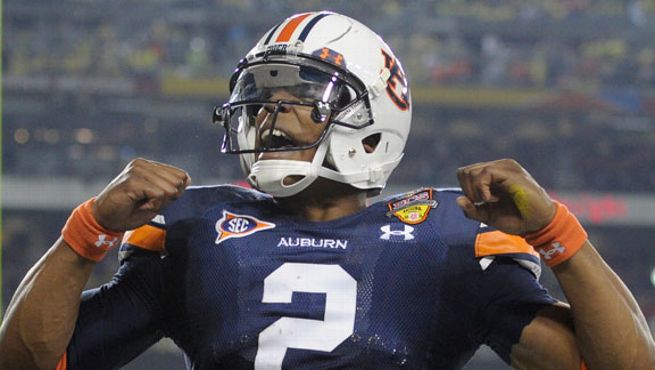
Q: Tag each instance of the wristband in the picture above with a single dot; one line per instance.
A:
(86, 236)
(560, 239)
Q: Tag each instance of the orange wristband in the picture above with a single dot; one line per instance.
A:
(85, 235)
(559, 240)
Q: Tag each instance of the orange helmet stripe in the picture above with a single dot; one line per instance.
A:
(287, 31)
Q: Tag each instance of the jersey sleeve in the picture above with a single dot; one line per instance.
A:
(124, 317)
(491, 243)
(510, 295)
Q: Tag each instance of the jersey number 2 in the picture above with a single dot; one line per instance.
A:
(339, 321)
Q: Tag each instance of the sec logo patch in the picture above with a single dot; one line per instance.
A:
(232, 225)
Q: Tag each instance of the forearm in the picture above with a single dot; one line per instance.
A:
(610, 329)
(41, 316)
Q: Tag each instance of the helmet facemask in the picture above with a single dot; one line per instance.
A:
(261, 92)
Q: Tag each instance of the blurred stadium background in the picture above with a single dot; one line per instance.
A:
(564, 86)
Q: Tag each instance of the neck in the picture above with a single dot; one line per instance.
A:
(325, 201)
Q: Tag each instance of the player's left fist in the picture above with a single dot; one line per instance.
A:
(502, 194)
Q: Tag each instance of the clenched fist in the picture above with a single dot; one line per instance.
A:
(503, 195)
(137, 194)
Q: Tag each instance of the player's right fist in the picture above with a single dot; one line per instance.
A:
(137, 194)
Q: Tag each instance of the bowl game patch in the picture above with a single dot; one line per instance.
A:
(413, 208)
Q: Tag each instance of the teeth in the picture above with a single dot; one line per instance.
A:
(265, 135)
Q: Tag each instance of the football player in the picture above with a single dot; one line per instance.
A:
(303, 273)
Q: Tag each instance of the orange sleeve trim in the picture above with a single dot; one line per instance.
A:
(62, 365)
(147, 237)
(496, 242)
(287, 31)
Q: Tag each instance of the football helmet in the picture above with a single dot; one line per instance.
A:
(346, 76)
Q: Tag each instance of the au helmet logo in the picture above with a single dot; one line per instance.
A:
(397, 87)
(232, 225)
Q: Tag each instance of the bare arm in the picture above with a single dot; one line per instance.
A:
(610, 329)
(41, 317)
(604, 326)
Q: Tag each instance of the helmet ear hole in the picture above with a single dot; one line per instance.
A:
(371, 142)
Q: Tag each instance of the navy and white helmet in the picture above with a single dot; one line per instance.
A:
(349, 78)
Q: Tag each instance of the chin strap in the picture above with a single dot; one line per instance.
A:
(268, 175)
(370, 178)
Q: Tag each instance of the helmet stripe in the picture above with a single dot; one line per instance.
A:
(310, 25)
(270, 34)
(287, 31)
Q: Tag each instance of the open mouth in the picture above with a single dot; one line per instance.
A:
(276, 139)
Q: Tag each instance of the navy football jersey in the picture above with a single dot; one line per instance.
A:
(238, 283)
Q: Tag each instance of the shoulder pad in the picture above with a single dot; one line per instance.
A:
(196, 199)
(228, 192)
(453, 190)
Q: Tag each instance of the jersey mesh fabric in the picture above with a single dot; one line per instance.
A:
(421, 298)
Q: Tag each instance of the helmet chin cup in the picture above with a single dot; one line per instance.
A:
(268, 175)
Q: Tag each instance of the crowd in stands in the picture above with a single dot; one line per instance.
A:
(452, 43)
(557, 43)
(562, 153)
(603, 154)
(493, 60)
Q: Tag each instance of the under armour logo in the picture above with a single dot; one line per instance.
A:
(549, 252)
(106, 241)
(388, 233)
